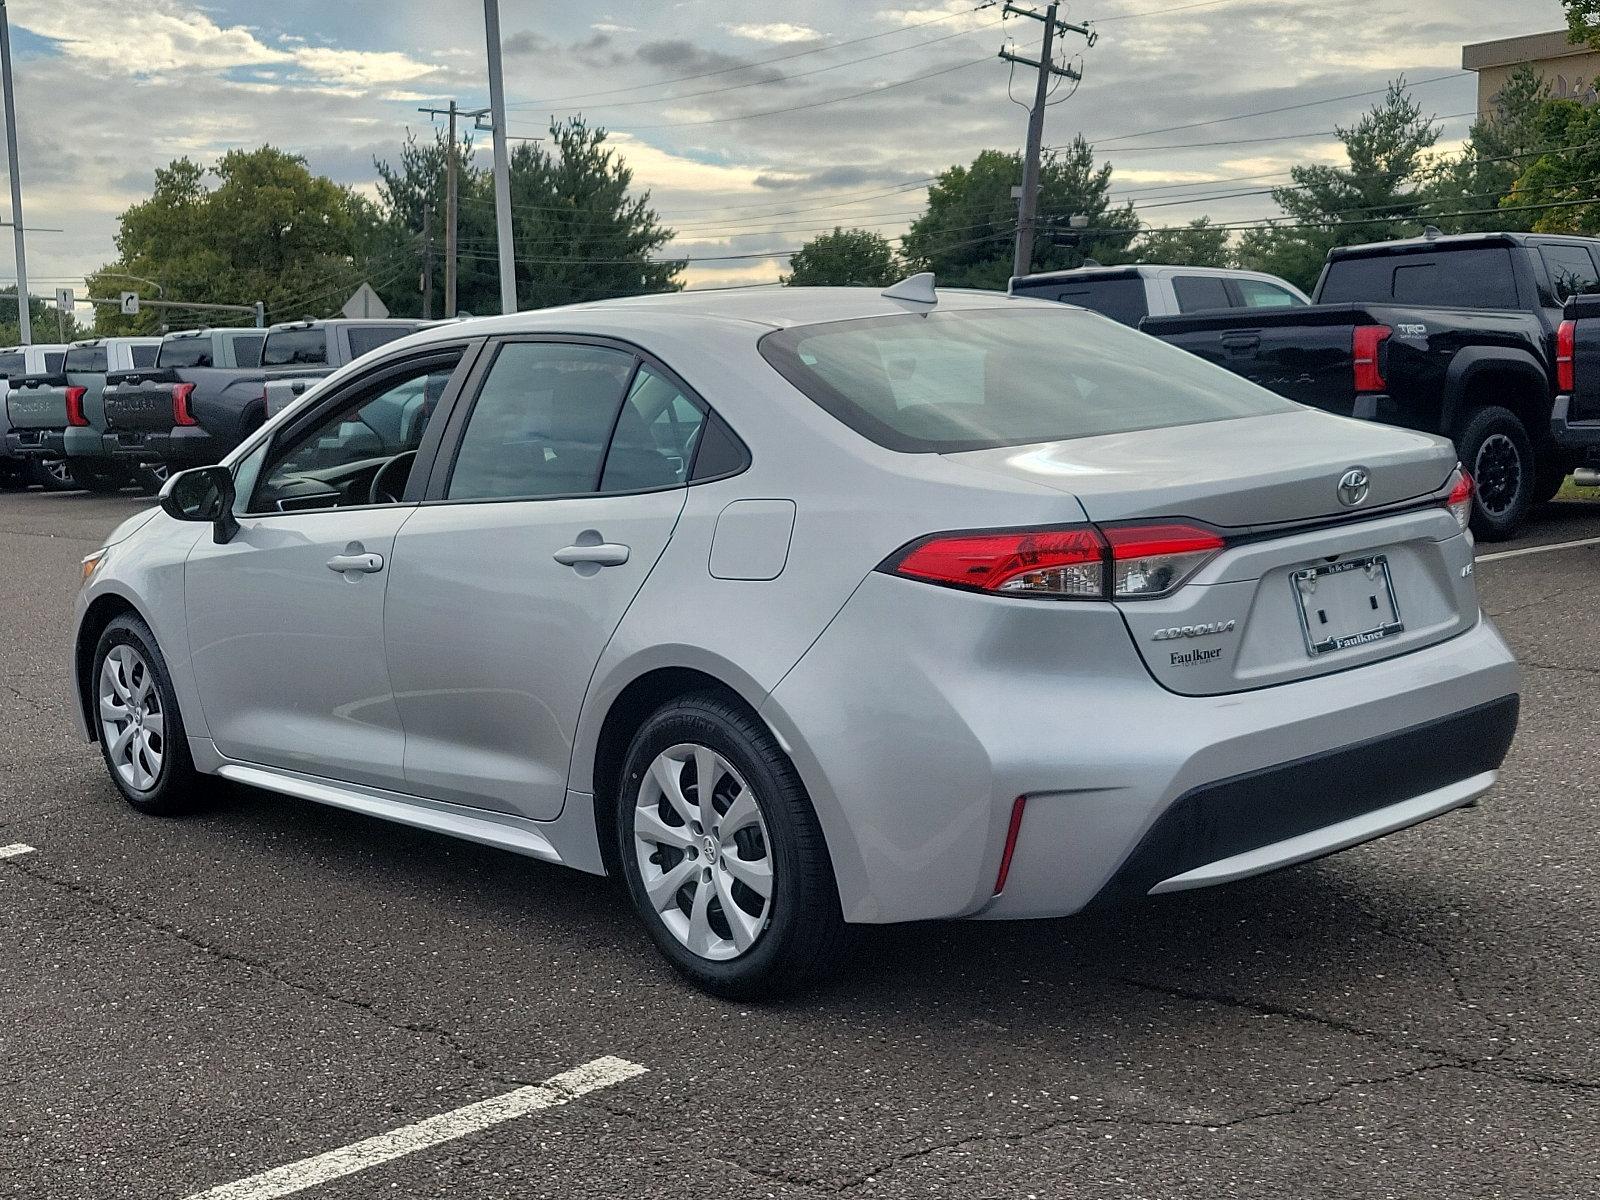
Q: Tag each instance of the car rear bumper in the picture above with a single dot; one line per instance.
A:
(181, 446)
(36, 443)
(922, 714)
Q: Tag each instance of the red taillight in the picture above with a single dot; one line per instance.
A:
(1364, 346)
(1041, 562)
(1012, 830)
(1566, 345)
(1460, 502)
(1152, 560)
(180, 404)
(75, 406)
(1123, 562)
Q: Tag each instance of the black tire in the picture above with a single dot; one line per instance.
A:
(52, 474)
(1495, 448)
(100, 480)
(176, 786)
(805, 936)
(13, 475)
(149, 477)
(1552, 473)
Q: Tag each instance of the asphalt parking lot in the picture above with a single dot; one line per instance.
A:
(186, 1004)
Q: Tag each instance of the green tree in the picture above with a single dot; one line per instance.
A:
(1197, 244)
(1583, 21)
(42, 314)
(267, 230)
(1371, 199)
(843, 258)
(966, 234)
(1567, 174)
(1498, 149)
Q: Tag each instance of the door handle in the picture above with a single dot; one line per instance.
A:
(365, 563)
(605, 554)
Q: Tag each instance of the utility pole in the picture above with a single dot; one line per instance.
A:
(1028, 198)
(24, 321)
(502, 160)
(427, 262)
(452, 174)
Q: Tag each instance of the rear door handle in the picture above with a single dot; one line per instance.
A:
(606, 554)
(366, 563)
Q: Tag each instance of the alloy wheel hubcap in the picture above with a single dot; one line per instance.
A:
(703, 853)
(132, 722)
(58, 470)
(1497, 473)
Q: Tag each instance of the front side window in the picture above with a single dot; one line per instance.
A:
(980, 378)
(541, 422)
(1257, 293)
(295, 347)
(360, 453)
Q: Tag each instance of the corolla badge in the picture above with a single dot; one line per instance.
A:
(1354, 485)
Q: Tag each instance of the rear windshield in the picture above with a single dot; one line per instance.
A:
(1479, 277)
(980, 378)
(287, 346)
(1120, 299)
(247, 350)
(11, 364)
(370, 337)
(87, 358)
(185, 352)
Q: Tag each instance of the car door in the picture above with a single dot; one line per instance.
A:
(286, 618)
(566, 480)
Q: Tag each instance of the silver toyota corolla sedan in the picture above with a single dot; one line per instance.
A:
(810, 607)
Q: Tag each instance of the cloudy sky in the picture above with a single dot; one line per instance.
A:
(884, 94)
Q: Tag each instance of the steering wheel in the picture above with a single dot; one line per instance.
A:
(389, 484)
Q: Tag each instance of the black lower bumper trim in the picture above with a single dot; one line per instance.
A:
(1249, 811)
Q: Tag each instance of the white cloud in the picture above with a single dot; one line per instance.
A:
(776, 31)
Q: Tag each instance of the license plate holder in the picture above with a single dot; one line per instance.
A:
(1346, 604)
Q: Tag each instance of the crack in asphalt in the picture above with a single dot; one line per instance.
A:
(447, 1038)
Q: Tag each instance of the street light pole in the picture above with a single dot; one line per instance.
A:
(502, 162)
(23, 316)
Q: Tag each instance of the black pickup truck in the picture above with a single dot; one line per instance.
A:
(1450, 335)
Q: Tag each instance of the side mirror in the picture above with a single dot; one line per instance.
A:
(202, 494)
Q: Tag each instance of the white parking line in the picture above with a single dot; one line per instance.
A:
(1526, 550)
(15, 849)
(408, 1139)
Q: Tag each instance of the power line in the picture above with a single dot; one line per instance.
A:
(1281, 137)
(1161, 12)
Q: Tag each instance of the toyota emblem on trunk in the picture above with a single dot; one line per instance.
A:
(1354, 485)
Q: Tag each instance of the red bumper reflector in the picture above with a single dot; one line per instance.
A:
(1011, 843)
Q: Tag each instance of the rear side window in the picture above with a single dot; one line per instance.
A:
(1257, 293)
(54, 361)
(1477, 277)
(1199, 292)
(184, 352)
(656, 436)
(247, 350)
(143, 356)
(541, 422)
(1572, 271)
(295, 347)
(977, 379)
(87, 358)
(1120, 299)
(370, 337)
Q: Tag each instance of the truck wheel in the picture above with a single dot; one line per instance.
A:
(1496, 449)
(149, 477)
(98, 480)
(13, 475)
(52, 474)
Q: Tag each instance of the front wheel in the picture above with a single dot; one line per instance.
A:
(137, 720)
(722, 853)
(1496, 449)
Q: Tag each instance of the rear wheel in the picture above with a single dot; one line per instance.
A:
(1496, 449)
(104, 480)
(149, 477)
(137, 720)
(722, 853)
(52, 474)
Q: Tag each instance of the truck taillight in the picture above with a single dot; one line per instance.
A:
(1075, 562)
(1566, 347)
(1460, 502)
(1365, 342)
(180, 404)
(75, 406)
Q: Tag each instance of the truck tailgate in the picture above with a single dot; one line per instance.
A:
(38, 402)
(142, 406)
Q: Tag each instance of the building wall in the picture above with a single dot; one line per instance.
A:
(1573, 72)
